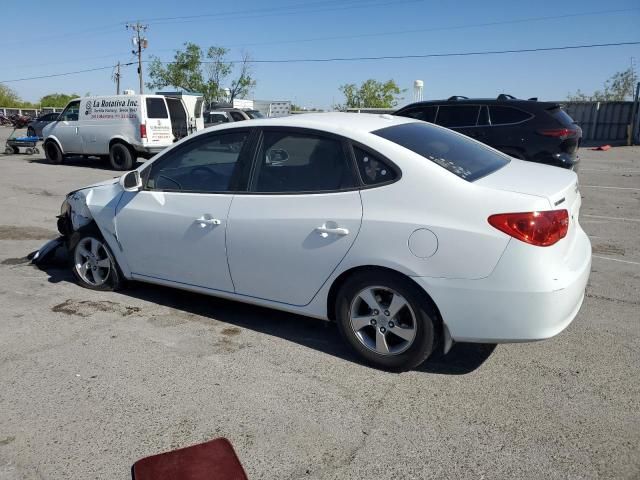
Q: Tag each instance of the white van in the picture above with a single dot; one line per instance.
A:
(121, 127)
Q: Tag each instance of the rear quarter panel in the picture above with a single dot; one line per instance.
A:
(429, 197)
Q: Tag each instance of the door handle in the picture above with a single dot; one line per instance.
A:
(207, 221)
(324, 231)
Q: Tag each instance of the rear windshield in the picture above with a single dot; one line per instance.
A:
(562, 116)
(156, 108)
(460, 155)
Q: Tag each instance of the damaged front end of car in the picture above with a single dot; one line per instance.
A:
(92, 206)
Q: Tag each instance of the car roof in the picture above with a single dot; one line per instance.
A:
(519, 102)
(334, 121)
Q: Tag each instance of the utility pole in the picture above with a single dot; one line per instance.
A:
(116, 77)
(139, 43)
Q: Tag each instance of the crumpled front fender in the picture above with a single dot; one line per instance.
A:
(98, 203)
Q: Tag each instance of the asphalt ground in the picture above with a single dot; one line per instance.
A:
(90, 382)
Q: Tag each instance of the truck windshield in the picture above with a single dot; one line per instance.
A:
(456, 153)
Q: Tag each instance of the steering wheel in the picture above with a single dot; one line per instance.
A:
(171, 180)
(201, 170)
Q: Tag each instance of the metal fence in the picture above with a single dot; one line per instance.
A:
(32, 112)
(605, 122)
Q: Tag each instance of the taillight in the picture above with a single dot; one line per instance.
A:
(537, 228)
(561, 133)
(143, 130)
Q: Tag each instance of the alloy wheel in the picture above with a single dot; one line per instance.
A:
(382, 320)
(92, 261)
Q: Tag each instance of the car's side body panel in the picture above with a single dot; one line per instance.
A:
(275, 249)
(487, 285)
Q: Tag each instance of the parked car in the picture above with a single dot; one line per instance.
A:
(254, 113)
(525, 129)
(224, 115)
(408, 235)
(34, 129)
(120, 127)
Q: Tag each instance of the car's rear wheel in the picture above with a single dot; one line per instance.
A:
(53, 153)
(93, 264)
(121, 157)
(387, 319)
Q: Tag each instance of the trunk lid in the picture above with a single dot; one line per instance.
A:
(558, 185)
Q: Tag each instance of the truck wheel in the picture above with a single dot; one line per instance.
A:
(120, 157)
(8, 151)
(53, 153)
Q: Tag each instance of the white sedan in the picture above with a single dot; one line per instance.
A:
(408, 235)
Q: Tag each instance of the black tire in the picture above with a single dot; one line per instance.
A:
(53, 153)
(111, 277)
(121, 157)
(424, 320)
(31, 132)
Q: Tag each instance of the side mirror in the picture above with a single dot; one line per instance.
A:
(131, 181)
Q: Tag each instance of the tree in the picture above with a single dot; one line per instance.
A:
(187, 72)
(57, 99)
(8, 97)
(371, 94)
(619, 87)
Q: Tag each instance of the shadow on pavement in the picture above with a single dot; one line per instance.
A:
(312, 333)
(86, 162)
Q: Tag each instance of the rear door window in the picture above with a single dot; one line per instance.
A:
(426, 114)
(505, 115)
(237, 117)
(458, 115)
(456, 153)
(156, 108)
(563, 117)
(291, 161)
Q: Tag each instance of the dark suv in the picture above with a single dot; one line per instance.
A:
(526, 129)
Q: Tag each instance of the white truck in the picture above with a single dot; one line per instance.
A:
(122, 127)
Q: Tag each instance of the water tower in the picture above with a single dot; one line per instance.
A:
(418, 87)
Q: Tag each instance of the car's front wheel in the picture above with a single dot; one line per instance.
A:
(93, 264)
(53, 153)
(387, 319)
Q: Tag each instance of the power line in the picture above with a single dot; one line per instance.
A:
(377, 34)
(435, 55)
(438, 29)
(382, 57)
(62, 74)
(279, 11)
(300, 6)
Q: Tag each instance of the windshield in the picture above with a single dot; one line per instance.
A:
(456, 153)
(254, 114)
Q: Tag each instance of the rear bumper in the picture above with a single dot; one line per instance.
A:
(508, 306)
(150, 150)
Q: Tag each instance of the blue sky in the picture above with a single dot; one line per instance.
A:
(56, 37)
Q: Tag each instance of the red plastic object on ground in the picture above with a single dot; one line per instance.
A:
(604, 148)
(213, 460)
